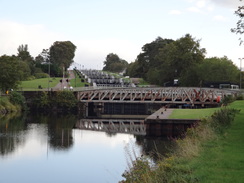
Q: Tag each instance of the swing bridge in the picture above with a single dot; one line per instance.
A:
(163, 95)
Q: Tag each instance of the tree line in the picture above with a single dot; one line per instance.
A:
(164, 61)
(23, 66)
(161, 62)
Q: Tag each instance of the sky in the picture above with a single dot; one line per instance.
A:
(122, 27)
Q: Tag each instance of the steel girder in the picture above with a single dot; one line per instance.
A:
(156, 95)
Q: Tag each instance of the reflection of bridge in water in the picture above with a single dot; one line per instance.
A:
(148, 127)
(134, 126)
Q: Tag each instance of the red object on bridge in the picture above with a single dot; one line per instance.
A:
(218, 99)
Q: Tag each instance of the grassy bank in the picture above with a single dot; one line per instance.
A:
(222, 159)
(76, 82)
(34, 84)
(6, 106)
(211, 152)
(192, 113)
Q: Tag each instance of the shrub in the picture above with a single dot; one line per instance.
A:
(6, 106)
(30, 78)
(17, 98)
(227, 100)
(139, 172)
(66, 100)
(41, 101)
(172, 169)
(222, 119)
(41, 75)
(240, 97)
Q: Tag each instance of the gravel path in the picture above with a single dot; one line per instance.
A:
(64, 83)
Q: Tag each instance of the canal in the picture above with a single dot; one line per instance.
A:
(47, 148)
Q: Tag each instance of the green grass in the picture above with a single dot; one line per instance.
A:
(204, 155)
(142, 82)
(77, 82)
(33, 84)
(192, 113)
(222, 159)
(5, 104)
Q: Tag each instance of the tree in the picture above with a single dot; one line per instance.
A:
(147, 59)
(178, 59)
(24, 70)
(114, 64)
(42, 62)
(24, 56)
(133, 70)
(218, 70)
(153, 76)
(23, 53)
(164, 60)
(10, 72)
(62, 54)
(43, 57)
(240, 23)
(66, 100)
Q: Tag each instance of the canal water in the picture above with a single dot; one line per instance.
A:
(46, 148)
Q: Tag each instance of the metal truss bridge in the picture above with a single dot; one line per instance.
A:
(164, 95)
(136, 127)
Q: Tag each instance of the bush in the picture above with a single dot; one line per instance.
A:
(172, 168)
(66, 100)
(222, 119)
(17, 98)
(140, 172)
(30, 78)
(41, 101)
(227, 100)
(240, 97)
(58, 101)
(5, 105)
(41, 75)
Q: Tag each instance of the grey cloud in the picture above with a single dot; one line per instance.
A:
(229, 3)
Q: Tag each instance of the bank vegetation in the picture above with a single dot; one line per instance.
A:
(201, 156)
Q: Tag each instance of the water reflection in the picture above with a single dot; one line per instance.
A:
(156, 148)
(11, 132)
(60, 131)
(47, 148)
(15, 130)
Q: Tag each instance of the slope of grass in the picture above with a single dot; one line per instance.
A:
(192, 113)
(34, 84)
(222, 160)
(6, 105)
(206, 154)
(76, 82)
